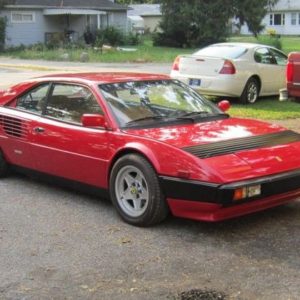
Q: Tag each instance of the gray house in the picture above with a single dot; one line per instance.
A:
(34, 21)
(149, 13)
(283, 19)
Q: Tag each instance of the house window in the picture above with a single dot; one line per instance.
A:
(22, 17)
(293, 18)
(271, 19)
(279, 19)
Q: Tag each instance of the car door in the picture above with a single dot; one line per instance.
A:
(271, 65)
(17, 123)
(64, 147)
(279, 69)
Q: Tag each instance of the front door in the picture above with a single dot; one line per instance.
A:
(63, 146)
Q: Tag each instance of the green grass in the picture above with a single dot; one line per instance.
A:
(145, 52)
(289, 43)
(267, 109)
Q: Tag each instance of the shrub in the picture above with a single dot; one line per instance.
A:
(115, 37)
(110, 35)
(271, 40)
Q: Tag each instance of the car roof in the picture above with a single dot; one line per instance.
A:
(104, 77)
(240, 44)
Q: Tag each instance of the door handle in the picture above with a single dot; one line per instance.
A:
(39, 129)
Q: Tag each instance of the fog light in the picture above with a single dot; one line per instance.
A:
(247, 192)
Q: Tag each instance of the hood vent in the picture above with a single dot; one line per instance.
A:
(246, 143)
(14, 127)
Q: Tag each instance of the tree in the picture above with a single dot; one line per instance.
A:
(193, 23)
(251, 12)
(196, 23)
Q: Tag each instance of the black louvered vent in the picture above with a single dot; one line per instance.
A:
(14, 127)
(240, 144)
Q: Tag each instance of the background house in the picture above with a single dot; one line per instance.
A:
(150, 13)
(283, 18)
(33, 21)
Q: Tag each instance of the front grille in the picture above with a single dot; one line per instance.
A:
(240, 144)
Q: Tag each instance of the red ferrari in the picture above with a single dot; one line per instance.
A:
(150, 143)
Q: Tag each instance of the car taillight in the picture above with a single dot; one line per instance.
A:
(228, 68)
(290, 71)
(175, 66)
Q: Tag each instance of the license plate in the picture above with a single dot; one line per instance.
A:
(195, 82)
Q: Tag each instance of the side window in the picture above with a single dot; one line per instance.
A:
(263, 56)
(281, 59)
(34, 100)
(69, 102)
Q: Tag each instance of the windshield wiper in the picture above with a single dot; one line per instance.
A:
(145, 119)
(195, 114)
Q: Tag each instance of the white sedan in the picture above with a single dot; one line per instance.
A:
(242, 70)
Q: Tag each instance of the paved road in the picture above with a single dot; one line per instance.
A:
(59, 244)
(16, 70)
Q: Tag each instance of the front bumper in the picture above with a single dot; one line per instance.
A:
(214, 202)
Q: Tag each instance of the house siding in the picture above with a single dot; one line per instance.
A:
(286, 8)
(32, 33)
(25, 33)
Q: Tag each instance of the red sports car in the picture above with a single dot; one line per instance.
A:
(148, 142)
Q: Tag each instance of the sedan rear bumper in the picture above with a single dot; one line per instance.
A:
(223, 85)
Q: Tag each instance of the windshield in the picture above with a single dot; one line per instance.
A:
(227, 51)
(138, 103)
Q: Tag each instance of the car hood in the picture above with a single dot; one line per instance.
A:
(182, 136)
(238, 149)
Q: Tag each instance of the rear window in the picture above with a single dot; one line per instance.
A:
(224, 51)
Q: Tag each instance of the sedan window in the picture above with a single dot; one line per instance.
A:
(69, 102)
(34, 100)
(227, 51)
(263, 56)
(281, 58)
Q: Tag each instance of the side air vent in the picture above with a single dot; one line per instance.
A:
(14, 127)
(240, 144)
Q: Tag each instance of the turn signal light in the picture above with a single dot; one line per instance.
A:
(247, 192)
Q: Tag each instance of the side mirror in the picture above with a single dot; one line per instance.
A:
(224, 105)
(93, 120)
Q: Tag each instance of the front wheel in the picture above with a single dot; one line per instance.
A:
(250, 92)
(135, 191)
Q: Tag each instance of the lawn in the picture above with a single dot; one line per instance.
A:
(144, 53)
(267, 109)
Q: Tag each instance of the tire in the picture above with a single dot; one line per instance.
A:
(136, 193)
(251, 91)
(3, 166)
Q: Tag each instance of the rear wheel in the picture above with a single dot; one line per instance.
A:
(135, 191)
(250, 92)
(3, 166)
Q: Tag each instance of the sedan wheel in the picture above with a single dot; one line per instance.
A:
(251, 91)
(135, 191)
